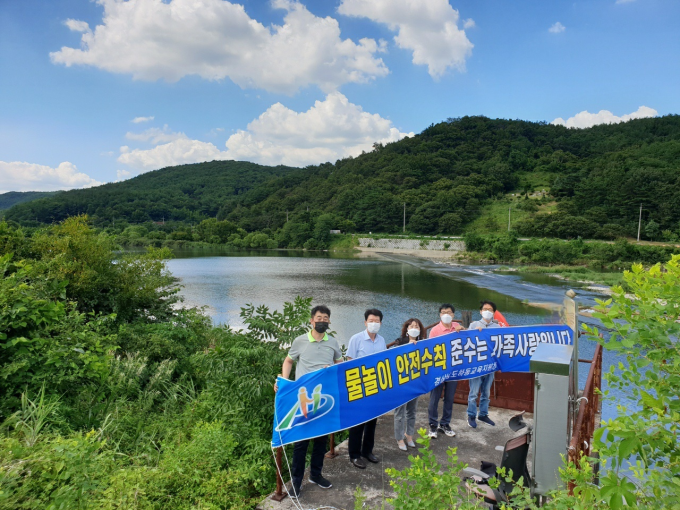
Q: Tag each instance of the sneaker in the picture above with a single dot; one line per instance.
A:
(433, 432)
(487, 420)
(294, 491)
(321, 482)
(447, 430)
(472, 422)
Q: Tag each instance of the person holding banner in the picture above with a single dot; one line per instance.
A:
(482, 384)
(312, 351)
(405, 415)
(445, 326)
(362, 437)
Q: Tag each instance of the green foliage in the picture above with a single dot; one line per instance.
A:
(45, 340)
(12, 198)
(449, 176)
(425, 485)
(507, 247)
(644, 328)
(146, 409)
(638, 450)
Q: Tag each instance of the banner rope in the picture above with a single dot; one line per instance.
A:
(295, 499)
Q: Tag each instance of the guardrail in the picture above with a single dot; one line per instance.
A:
(588, 409)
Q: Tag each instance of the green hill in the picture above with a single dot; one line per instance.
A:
(456, 175)
(12, 198)
(181, 193)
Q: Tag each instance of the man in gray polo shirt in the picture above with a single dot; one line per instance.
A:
(312, 351)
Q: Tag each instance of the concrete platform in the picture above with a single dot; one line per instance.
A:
(474, 445)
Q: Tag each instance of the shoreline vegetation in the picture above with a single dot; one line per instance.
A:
(597, 264)
(112, 398)
(469, 174)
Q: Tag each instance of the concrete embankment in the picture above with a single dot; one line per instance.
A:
(431, 249)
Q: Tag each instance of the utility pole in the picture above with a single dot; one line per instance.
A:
(286, 216)
(640, 223)
(404, 231)
(509, 209)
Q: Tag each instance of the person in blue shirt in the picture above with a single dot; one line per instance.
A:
(482, 385)
(362, 437)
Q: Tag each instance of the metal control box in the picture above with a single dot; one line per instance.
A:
(553, 366)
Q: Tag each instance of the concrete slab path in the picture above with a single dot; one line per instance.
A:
(474, 445)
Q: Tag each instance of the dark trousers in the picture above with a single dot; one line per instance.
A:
(361, 439)
(447, 408)
(300, 455)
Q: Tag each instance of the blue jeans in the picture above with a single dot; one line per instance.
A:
(435, 394)
(478, 384)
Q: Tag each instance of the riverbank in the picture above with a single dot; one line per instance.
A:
(599, 282)
(596, 280)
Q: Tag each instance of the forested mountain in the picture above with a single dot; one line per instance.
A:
(449, 175)
(12, 198)
(185, 193)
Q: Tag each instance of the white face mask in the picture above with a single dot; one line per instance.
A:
(373, 327)
(413, 332)
(446, 318)
(487, 315)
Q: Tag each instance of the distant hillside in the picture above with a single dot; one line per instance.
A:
(12, 198)
(456, 175)
(180, 193)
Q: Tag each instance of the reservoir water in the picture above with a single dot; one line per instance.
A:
(402, 287)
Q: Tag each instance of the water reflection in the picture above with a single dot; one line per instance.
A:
(401, 287)
(223, 284)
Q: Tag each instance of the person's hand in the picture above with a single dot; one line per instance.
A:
(480, 329)
(413, 342)
(276, 386)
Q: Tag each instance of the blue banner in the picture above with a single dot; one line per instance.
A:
(350, 393)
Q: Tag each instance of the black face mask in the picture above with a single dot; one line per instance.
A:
(321, 327)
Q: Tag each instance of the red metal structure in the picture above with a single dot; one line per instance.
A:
(588, 410)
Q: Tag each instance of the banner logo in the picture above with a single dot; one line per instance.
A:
(307, 409)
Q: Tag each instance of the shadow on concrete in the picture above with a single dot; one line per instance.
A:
(474, 445)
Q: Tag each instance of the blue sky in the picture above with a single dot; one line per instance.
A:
(300, 83)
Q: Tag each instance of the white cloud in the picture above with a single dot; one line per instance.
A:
(331, 129)
(138, 120)
(557, 28)
(155, 135)
(469, 23)
(77, 26)
(121, 175)
(429, 29)
(586, 119)
(216, 39)
(178, 152)
(22, 176)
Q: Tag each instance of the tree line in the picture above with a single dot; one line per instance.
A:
(595, 181)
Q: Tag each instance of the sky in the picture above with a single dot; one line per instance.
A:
(100, 91)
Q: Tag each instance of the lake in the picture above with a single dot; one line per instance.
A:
(348, 285)
(401, 287)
